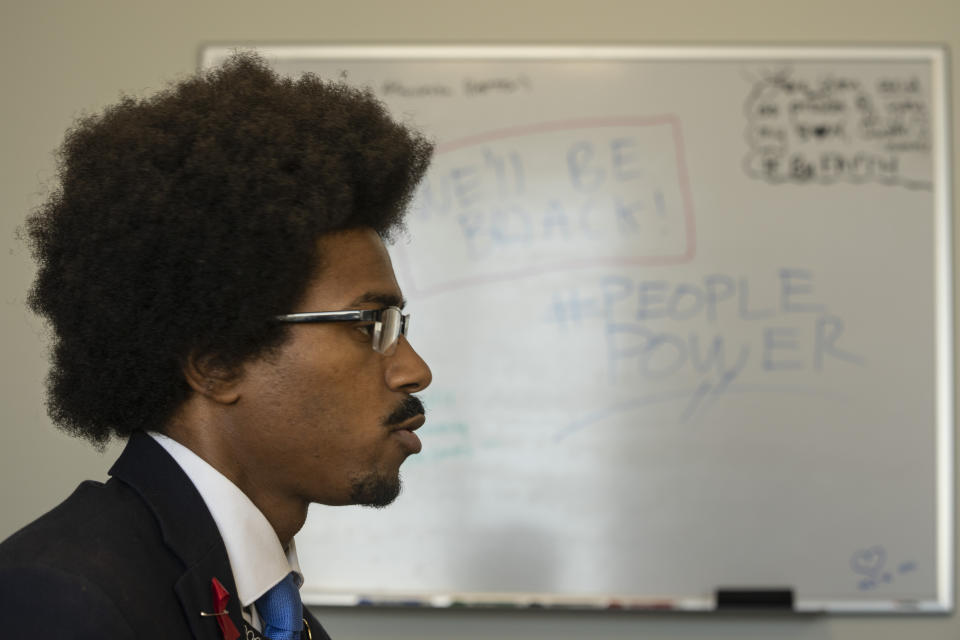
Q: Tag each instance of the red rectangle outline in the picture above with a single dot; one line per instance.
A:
(549, 127)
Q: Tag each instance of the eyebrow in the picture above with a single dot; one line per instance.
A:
(383, 299)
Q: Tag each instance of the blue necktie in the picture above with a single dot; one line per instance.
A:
(281, 611)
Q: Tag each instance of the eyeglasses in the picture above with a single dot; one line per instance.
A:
(388, 324)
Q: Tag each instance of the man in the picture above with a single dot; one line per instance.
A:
(213, 269)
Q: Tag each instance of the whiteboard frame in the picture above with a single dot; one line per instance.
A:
(212, 54)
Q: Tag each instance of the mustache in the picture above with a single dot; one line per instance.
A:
(409, 408)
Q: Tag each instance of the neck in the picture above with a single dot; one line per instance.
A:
(285, 513)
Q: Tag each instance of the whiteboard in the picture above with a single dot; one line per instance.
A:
(688, 312)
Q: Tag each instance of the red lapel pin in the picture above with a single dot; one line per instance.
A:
(220, 597)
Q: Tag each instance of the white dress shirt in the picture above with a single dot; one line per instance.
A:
(256, 556)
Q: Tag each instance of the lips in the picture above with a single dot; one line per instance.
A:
(404, 433)
(411, 424)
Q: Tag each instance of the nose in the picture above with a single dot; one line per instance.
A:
(406, 371)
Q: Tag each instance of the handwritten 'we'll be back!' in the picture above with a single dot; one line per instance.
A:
(516, 202)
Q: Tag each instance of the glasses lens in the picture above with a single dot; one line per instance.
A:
(391, 322)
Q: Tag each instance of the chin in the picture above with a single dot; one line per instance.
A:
(375, 490)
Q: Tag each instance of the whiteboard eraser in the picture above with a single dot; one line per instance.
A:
(755, 598)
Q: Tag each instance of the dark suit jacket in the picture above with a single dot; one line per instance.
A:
(132, 558)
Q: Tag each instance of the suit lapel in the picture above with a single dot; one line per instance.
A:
(185, 522)
(187, 528)
(316, 629)
(195, 590)
(190, 532)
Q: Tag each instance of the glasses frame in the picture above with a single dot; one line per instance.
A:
(357, 315)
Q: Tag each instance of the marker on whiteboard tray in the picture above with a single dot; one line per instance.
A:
(389, 602)
(765, 599)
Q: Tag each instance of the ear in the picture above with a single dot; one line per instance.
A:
(212, 379)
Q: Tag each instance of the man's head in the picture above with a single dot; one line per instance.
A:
(322, 416)
(185, 223)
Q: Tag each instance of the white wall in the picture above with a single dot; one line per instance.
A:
(64, 58)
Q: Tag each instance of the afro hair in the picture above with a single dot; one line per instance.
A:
(183, 222)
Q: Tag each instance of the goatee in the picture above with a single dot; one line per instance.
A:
(375, 490)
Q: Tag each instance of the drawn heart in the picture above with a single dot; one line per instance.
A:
(869, 562)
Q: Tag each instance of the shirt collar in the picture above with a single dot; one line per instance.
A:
(256, 556)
